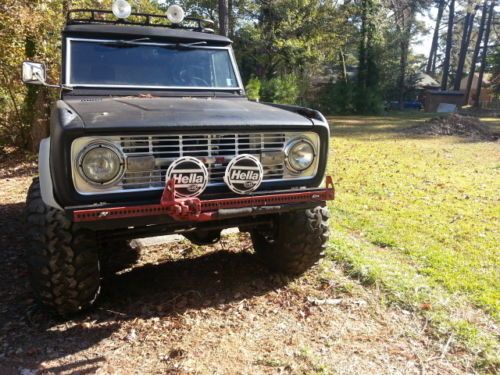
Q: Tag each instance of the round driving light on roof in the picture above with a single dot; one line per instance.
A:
(300, 155)
(121, 9)
(175, 14)
(101, 164)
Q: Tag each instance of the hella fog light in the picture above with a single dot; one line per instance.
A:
(121, 9)
(175, 14)
(101, 164)
(300, 155)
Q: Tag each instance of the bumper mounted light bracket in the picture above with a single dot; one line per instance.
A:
(196, 210)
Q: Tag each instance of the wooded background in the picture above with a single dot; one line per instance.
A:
(342, 57)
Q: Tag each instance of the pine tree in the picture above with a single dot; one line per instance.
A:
(223, 17)
(466, 33)
(431, 63)
(476, 51)
(485, 53)
(367, 96)
(449, 46)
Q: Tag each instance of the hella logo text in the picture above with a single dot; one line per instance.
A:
(188, 179)
(242, 175)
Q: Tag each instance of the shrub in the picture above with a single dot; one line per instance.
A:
(283, 89)
(368, 101)
(253, 88)
(337, 98)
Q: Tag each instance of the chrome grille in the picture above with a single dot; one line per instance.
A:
(215, 150)
(147, 157)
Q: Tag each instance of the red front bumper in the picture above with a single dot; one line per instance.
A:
(196, 210)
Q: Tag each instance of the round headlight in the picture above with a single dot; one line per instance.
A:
(101, 164)
(300, 155)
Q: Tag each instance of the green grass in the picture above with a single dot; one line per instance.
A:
(420, 216)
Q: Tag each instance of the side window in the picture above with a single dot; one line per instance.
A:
(222, 70)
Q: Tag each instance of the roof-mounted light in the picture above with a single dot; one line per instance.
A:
(175, 14)
(121, 9)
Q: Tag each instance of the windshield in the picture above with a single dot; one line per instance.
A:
(121, 63)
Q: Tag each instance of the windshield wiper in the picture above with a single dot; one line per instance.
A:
(125, 43)
(185, 45)
(194, 44)
(138, 42)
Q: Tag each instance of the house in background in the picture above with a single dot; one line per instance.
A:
(443, 101)
(434, 99)
(487, 96)
(423, 84)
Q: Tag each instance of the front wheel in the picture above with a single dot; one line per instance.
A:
(62, 261)
(295, 243)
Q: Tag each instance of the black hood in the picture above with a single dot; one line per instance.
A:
(136, 112)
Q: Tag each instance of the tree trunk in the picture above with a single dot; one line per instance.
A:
(403, 62)
(344, 67)
(35, 109)
(463, 51)
(230, 12)
(449, 42)
(471, 24)
(434, 62)
(407, 20)
(40, 126)
(363, 48)
(367, 70)
(223, 17)
(29, 115)
(476, 52)
(66, 6)
(431, 63)
(485, 54)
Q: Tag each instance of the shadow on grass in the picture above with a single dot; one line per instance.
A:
(370, 127)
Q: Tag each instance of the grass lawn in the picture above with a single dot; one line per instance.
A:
(420, 217)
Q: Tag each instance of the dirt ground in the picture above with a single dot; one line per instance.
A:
(454, 125)
(215, 310)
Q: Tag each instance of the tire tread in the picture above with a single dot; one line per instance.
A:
(298, 243)
(62, 261)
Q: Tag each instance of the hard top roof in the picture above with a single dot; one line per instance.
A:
(124, 31)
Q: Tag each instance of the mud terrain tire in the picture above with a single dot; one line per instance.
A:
(296, 243)
(62, 262)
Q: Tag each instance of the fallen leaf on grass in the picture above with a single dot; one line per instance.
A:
(426, 306)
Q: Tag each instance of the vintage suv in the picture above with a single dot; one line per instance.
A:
(153, 134)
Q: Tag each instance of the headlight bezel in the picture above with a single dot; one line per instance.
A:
(109, 146)
(288, 151)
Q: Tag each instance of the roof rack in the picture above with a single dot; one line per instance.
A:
(97, 16)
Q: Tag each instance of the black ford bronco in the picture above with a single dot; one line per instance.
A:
(153, 134)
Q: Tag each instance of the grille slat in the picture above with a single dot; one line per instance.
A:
(166, 149)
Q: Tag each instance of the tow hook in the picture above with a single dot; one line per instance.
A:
(182, 209)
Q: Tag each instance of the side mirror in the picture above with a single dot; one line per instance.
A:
(34, 73)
